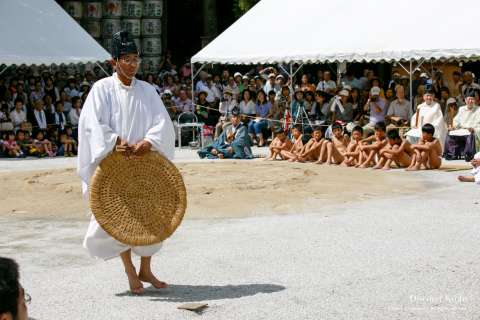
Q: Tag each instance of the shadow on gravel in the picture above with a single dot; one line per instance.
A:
(186, 293)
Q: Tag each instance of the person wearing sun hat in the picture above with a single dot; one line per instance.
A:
(376, 107)
(122, 112)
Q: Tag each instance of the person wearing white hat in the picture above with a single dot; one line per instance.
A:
(272, 84)
(341, 109)
(376, 107)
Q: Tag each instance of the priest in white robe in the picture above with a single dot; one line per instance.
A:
(463, 139)
(427, 112)
(122, 110)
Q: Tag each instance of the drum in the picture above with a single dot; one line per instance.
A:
(93, 10)
(93, 27)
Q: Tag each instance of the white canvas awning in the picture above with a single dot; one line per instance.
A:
(41, 32)
(313, 31)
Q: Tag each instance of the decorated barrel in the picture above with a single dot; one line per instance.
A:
(110, 26)
(152, 46)
(93, 10)
(133, 26)
(151, 64)
(151, 27)
(132, 9)
(93, 27)
(74, 9)
(153, 8)
(112, 9)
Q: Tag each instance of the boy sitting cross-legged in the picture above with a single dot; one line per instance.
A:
(396, 150)
(311, 151)
(372, 145)
(427, 152)
(279, 144)
(353, 151)
(334, 151)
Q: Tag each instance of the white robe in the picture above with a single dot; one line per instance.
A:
(132, 113)
(428, 114)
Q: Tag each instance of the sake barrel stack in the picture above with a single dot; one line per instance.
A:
(74, 9)
(92, 18)
(111, 21)
(132, 11)
(152, 35)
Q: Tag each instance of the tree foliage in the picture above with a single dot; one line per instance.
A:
(242, 6)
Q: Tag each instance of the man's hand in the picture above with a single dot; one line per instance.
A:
(141, 148)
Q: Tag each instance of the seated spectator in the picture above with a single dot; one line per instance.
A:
(232, 85)
(427, 112)
(455, 86)
(13, 299)
(67, 103)
(280, 143)
(18, 116)
(298, 106)
(183, 103)
(67, 145)
(74, 114)
(400, 110)
(319, 109)
(327, 84)
(340, 109)
(275, 114)
(356, 100)
(396, 151)
(60, 120)
(50, 109)
(51, 90)
(38, 116)
(352, 155)
(169, 104)
(376, 107)
(306, 85)
(24, 141)
(42, 145)
(272, 84)
(257, 125)
(205, 111)
(71, 89)
(10, 146)
(372, 145)
(418, 99)
(463, 138)
(444, 96)
(226, 107)
(234, 142)
(468, 84)
(37, 93)
(247, 106)
(214, 94)
(451, 112)
(427, 152)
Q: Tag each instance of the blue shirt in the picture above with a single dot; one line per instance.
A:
(263, 109)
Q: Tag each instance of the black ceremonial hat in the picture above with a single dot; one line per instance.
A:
(123, 44)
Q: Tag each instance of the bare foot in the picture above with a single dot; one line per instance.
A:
(466, 179)
(377, 167)
(414, 168)
(319, 162)
(136, 286)
(150, 278)
(386, 168)
(363, 166)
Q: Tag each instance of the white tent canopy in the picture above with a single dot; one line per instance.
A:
(41, 32)
(313, 31)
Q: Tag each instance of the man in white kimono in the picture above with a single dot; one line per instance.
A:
(121, 110)
(464, 134)
(427, 112)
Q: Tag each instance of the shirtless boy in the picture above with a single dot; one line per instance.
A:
(353, 151)
(334, 151)
(427, 152)
(396, 150)
(311, 151)
(297, 147)
(279, 144)
(372, 145)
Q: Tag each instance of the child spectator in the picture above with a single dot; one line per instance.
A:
(67, 146)
(353, 151)
(396, 150)
(25, 143)
(297, 147)
(43, 146)
(12, 149)
(372, 145)
(427, 152)
(74, 114)
(334, 151)
(311, 151)
(257, 125)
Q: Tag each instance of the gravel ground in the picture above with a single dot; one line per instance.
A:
(410, 257)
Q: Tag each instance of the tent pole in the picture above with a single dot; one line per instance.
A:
(98, 64)
(410, 84)
(4, 69)
(192, 68)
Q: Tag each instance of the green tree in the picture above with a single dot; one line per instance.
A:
(242, 6)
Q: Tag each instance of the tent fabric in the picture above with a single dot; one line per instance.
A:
(311, 31)
(41, 32)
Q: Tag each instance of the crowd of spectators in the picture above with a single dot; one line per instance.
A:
(39, 110)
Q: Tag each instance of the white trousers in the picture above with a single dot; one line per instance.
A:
(101, 245)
